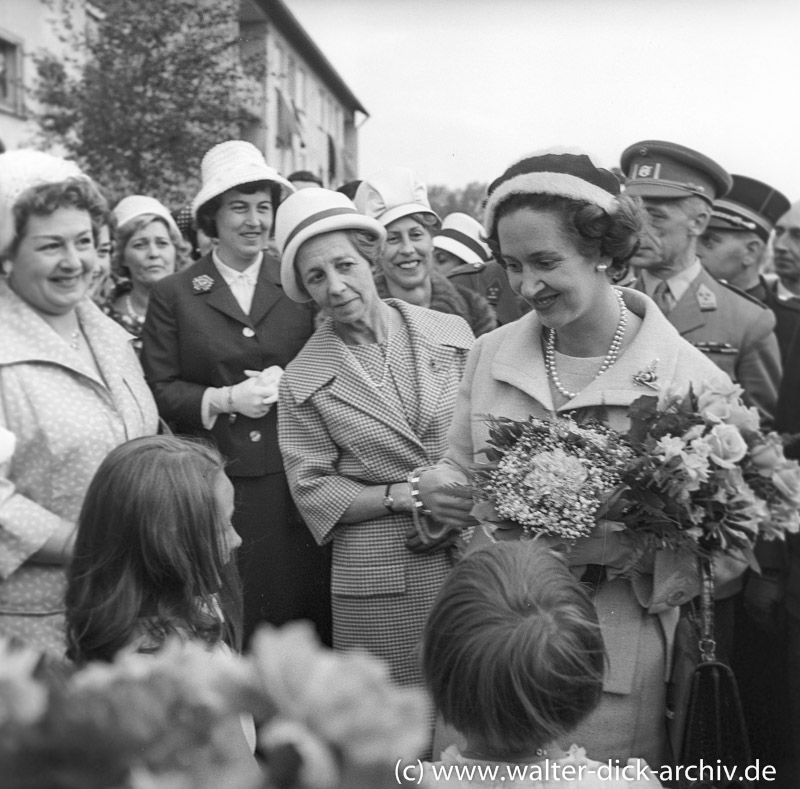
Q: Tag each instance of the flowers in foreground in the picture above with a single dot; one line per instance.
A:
(171, 720)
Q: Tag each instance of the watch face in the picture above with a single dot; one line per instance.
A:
(388, 502)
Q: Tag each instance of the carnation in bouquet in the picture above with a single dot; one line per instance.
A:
(693, 473)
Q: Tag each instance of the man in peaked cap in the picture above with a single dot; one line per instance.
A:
(734, 245)
(678, 187)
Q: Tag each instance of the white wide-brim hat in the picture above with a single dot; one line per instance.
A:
(461, 235)
(308, 213)
(19, 171)
(134, 206)
(392, 194)
(231, 164)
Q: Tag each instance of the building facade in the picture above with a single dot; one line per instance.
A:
(304, 115)
(308, 117)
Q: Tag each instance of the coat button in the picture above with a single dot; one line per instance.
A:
(248, 332)
(255, 435)
(676, 598)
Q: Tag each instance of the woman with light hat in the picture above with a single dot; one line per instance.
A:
(368, 399)
(564, 233)
(148, 247)
(463, 257)
(405, 270)
(215, 342)
(71, 388)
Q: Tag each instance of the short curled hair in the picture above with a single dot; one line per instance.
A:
(207, 213)
(46, 199)
(125, 233)
(366, 244)
(591, 229)
(512, 649)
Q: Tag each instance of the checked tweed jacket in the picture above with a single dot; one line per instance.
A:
(340, 433)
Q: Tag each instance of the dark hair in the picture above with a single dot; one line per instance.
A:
(512, 649)
(594, 231)
(366, 244)
(147, 553)
(46, 199)
(125, 233)
(304, 175)
(207, 213)
(350, 188)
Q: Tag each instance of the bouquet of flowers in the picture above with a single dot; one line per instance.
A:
(693, 473)
(172, 720)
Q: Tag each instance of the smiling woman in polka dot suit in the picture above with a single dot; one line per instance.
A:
(71, 388)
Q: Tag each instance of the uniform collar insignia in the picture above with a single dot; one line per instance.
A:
(706, 299)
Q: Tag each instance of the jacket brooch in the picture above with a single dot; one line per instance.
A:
(202, 284)
(648, 376)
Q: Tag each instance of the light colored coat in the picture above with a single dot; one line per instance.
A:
(338, 435)
(506, 376)
(65, 420)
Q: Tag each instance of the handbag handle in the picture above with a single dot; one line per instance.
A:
(708, 645)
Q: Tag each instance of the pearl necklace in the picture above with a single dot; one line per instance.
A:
(611, 356)
(75, 340)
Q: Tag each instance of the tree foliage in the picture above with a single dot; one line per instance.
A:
(149, 89)
(467, 200)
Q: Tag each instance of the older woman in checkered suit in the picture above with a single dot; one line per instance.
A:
(367, 400)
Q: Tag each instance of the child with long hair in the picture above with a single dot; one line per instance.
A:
(514, 659)
(153, 552)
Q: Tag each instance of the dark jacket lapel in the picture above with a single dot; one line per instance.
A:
(268, 289)
(219, 296)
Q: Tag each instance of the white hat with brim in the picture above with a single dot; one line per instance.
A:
(308, 213)
(231, 164)
(460, 235)
(393, 194)
(133, 206)
(19, 171)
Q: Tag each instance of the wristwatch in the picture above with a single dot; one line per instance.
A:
(388, 499)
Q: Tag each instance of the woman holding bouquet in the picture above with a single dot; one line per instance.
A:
(560, 227)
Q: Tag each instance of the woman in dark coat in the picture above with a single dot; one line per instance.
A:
(215, 343)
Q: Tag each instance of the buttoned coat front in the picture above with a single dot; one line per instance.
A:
(196, 336)
(65, 419)
(339, 435)
(737, 334)
(506, 376)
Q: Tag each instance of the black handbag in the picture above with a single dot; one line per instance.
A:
(706, 722)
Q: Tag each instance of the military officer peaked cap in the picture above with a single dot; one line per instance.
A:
(668, 171)
(750, 205)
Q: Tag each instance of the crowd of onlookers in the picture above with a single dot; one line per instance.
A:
(266, 406)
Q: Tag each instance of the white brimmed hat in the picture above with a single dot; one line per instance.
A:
(234, 163)
(461, 236)
(19, 171)
(392, 194)
(134, 206)
(308, 213)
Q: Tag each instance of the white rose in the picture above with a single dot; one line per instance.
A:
(727, 445)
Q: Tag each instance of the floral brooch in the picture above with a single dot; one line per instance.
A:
(648, 376)
(202, 284)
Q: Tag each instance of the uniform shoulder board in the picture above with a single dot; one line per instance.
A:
(743, 293)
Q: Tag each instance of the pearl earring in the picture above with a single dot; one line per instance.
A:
(601, 267)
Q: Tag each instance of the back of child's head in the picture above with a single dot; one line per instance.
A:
(148, 551)
(513, 653)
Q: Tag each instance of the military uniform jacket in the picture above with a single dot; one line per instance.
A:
(196, 336)
(737, 334)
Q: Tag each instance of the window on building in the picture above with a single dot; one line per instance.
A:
(277, 63)
(300, 93)
(10, 75)
(291, 76)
